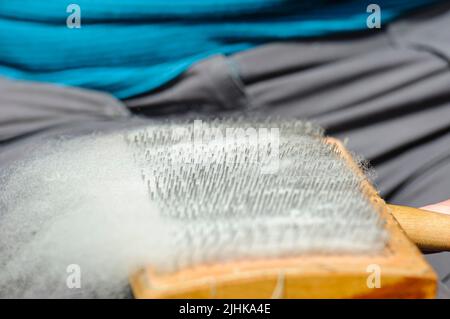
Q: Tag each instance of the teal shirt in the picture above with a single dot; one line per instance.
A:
(133, 46)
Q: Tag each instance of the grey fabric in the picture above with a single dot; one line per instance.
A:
(209, 86)
(30, 109)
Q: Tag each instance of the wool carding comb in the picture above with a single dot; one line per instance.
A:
(273, 209)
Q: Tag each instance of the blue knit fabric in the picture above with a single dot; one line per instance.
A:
(133, 46)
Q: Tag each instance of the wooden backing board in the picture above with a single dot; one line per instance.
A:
(402, 270)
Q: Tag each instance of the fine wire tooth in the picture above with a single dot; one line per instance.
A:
(225, 207)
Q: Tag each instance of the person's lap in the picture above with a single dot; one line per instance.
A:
(388, 98)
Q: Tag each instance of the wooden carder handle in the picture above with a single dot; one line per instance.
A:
(430, 231)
